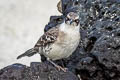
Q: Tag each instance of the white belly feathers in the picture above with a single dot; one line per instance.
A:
(65, 45)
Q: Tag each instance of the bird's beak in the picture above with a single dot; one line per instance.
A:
(71, 21)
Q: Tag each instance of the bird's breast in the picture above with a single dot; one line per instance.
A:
(64, 46)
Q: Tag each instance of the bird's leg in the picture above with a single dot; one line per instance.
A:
(62, 63)
(43, 58)
(57, 66)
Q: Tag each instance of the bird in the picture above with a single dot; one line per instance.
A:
(58, 42)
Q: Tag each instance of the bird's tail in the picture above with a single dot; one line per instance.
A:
(28, 53)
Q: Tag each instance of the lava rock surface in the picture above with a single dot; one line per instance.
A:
(36, 71)
(98, 54)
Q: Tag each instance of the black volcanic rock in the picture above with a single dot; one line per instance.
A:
(54, 20)
(36, 71)
(98, 54)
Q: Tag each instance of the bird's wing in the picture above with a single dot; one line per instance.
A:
(47, 38)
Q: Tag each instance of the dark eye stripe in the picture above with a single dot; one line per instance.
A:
(67, 19)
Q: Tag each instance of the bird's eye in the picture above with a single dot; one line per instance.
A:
(77, 20)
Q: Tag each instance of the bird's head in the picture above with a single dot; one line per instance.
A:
(72, 19)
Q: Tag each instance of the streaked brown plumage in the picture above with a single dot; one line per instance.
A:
(58, 42)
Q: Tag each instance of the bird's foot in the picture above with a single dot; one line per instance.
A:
(61, 68)
(58, 67)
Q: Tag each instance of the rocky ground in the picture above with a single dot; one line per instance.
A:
(98, 54)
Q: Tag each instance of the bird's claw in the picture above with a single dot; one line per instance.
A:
(61, 68)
